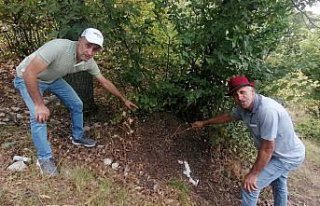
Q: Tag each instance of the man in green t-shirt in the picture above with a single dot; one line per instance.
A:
(43, 71)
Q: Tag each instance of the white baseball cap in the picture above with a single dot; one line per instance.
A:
(93, 36)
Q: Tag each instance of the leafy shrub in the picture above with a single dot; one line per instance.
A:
(25, 25)
(177, 55)
(310, 128)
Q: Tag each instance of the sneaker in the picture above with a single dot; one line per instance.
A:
(48, 167)
(85, 141)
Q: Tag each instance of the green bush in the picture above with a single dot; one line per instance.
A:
(310, 128)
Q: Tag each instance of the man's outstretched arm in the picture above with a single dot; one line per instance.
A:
(220, 119)
(110, 87)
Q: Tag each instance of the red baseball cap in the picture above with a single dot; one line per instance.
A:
(236, 82)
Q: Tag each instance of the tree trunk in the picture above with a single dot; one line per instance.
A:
(82, 83)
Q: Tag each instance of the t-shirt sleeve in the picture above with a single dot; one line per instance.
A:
(48, 54)
(93, 68)
(269, 124)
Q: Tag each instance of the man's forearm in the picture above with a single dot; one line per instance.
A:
(264, 156)
(33, 89)
(113, 90)
(261, 161)
(224, 118)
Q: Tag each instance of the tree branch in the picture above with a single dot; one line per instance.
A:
(305, 14)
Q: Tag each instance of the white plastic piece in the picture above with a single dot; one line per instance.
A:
(187, 172)
(21, 158)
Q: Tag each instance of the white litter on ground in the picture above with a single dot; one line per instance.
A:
(21, 158)
(108, 161)
(18, 166)
(19, 163)
(115, 165)
(187, 172)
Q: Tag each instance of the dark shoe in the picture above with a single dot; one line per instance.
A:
(85, 141)
(48, 167)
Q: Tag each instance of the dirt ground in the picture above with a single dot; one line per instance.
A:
(149, 149)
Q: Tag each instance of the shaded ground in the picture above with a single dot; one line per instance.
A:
(148, 149)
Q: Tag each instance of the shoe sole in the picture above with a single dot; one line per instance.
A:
(85, 145)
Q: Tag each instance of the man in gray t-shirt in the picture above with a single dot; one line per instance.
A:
(43, 71)
(279, 149)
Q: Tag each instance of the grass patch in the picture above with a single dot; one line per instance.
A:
(306, 177)
(312, 152)
(183, 191)
(3, 195)
(76, 185)
(95, 190)
(81, 178)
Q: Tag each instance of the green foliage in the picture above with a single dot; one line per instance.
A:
(24, 24)
(235, 139)
(241, 142)
(297, 52)
(213, 41)
(295, 87)
(72, 17)
(309, 128)
(175, 55)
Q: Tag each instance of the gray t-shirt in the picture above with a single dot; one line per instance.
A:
(60, 55)
(269, 120)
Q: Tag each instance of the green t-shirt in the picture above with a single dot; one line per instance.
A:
(60, 55)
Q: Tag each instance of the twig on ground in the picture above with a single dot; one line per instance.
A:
(180, 132)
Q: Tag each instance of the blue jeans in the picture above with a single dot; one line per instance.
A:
(38, 130)
(276, 175)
